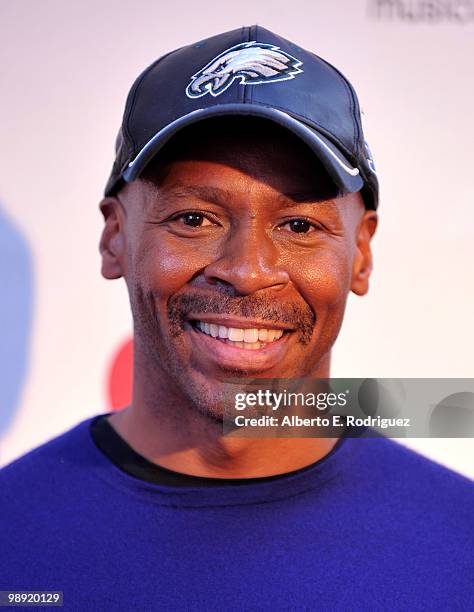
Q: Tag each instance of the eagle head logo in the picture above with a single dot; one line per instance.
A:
(251, 63)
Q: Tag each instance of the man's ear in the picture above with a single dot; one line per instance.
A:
(112, 243)
(362, 266)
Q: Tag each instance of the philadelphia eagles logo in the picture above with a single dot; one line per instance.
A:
(251, 63)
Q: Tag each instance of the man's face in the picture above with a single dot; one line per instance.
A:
(239, 260)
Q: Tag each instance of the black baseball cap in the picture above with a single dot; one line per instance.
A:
(248, 71)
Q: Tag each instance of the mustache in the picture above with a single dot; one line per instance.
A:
(297, 314)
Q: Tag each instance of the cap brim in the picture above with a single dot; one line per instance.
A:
(344, 174)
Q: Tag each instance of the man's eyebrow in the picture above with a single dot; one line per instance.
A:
(202, 192)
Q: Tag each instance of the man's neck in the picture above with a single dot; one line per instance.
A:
(194, 444)
(218, 457)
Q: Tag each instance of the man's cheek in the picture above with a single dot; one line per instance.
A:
(324, 283)
(166, 270)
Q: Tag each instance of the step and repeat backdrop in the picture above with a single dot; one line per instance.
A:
(66, 67)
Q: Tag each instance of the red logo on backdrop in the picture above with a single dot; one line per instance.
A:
(119, 381)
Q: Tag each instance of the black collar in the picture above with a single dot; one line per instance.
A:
(131, 462)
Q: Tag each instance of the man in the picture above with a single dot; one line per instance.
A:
(240, 212)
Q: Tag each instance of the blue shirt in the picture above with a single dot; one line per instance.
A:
(371, 526)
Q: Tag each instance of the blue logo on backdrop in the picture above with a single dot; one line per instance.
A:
(16, 280)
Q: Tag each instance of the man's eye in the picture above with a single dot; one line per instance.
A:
(193, 219)
(298, 226)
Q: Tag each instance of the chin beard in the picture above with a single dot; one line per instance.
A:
(192, 394)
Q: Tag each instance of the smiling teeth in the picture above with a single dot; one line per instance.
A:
(241, 338)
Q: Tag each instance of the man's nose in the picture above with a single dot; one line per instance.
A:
(249, 262)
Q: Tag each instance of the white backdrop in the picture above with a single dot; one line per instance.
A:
(66, 68)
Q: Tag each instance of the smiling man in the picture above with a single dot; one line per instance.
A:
(239, 254)
(240, 212)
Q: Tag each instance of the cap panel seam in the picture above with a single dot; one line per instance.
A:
(137, 84)
(357, 114)
(246, 96)
(126, 121)
(349, 95)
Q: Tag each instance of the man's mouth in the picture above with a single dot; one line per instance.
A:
(237, 343)
(253, 338)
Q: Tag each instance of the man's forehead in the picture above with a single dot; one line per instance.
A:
(222, 196)
(228, 186)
